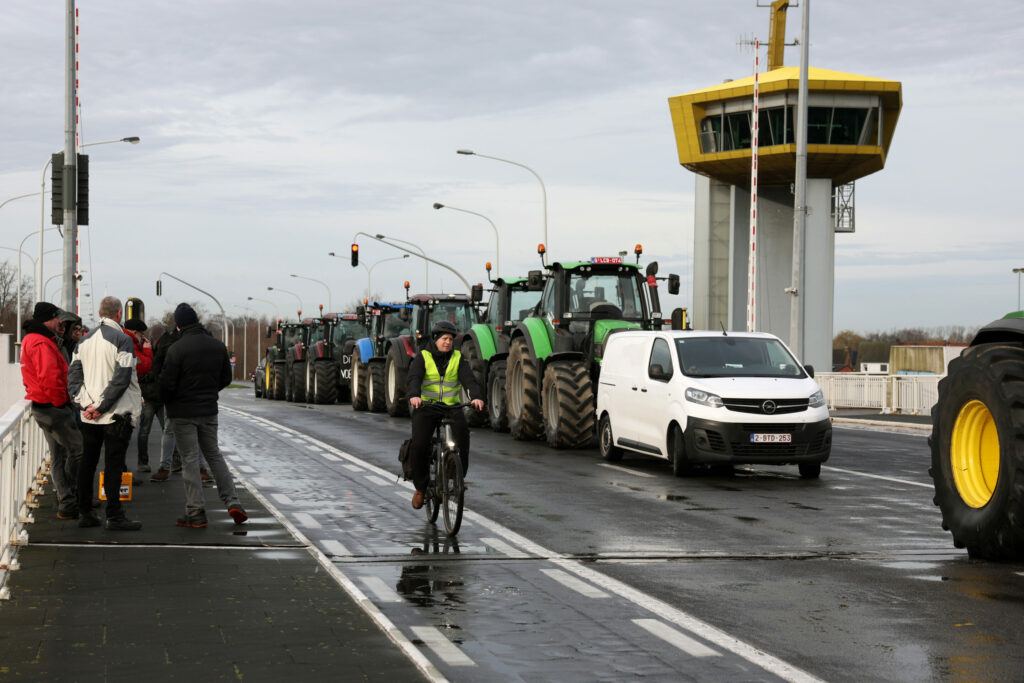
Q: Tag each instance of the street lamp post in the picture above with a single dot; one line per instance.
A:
(18, 288)
(543, 190)
(418, 248)
(277, 311)
(497, 246)
(383, 239)
(297, 298)
(369, 271)
(134, 140)
(1018, 271)
(223, 315)
(330, 307)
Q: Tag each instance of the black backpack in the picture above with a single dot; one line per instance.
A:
(405, 460)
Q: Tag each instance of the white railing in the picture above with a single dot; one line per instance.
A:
(23, 463)
(907, 394)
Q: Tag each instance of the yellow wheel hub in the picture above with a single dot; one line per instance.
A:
(974, 454)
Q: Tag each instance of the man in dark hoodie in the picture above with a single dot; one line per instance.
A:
(196, 368)
(45, 375)
(436, 376)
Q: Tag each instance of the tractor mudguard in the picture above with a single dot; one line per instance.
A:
(603, 327)
(365, 346)
(483, 337)
(536, 333)
(404, 342)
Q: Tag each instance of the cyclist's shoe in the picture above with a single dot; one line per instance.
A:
(417, 500)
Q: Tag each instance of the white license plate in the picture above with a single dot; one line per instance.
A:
(771, 438)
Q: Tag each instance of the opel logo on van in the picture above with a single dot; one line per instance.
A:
(768, 407)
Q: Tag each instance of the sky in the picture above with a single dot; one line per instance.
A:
(273, 132)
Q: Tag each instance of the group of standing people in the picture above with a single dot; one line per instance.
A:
(86, 399)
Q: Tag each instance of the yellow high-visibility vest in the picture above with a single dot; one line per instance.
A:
(434, 389)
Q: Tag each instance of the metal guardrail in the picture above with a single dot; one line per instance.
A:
(906, 394)
(24, 467)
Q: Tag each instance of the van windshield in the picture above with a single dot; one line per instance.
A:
(736, 357)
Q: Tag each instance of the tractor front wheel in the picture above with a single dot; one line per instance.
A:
(568, 404)
(522, 393)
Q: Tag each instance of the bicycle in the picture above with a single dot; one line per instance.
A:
(446, 490)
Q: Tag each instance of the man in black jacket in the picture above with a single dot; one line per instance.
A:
(196, 368)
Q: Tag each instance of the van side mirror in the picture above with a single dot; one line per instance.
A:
(658, 372)
(809, 369)
(535, 280)
(477, 293)
(673, 284)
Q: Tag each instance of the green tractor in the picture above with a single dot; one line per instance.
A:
(486, 344)
(329, 356)
(977, 443)
(281, 356)
(554, 356)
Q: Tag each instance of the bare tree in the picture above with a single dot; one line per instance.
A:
(9, 296)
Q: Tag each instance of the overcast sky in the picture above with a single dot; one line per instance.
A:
(273, 131)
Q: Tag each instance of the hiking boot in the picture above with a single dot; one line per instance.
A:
(205, 476)
(123, 524)
(144, 467)
(196, 520)
(237, 513)
(89, 519)
(67, 514)
(160, 475)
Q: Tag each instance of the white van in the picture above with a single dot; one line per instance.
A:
(705, 397)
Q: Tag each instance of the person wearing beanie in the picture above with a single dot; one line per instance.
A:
(104, 384)
(44, 372)
(72, 334)
(437, 375)
(194, 371)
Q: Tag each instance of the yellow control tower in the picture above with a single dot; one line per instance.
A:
(850, 123)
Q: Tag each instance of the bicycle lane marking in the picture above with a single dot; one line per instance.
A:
(514, 545)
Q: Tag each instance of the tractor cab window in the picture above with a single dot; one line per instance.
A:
(394, 326)
(611, 295)
(347, 329)
(459, 313)
(292, 335)
(522, 303)
(316, 333)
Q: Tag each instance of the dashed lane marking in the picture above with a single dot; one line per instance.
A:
(282, 499)
(571, 582)
(247, 469)
(878, 476)
(353, 468)
(335, 547)
(307, 520)
(674, 637)
(442, 647)
(378, 481)
(383, 592)
(502, 547)
(626, 470)
(331, 457)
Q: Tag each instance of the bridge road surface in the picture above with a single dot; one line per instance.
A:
(570, 568)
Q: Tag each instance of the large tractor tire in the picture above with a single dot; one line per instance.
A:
(395, 372)
(375, 392)
(324, 385)
(357, 383)
(276, 371)
(298, 375)
(474, 417)
(497, 406)
(522, 393)
(569, 408)
(977, 445)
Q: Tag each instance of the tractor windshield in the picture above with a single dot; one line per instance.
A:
(316, 333)
(522, 303)
(292, 335)
(612, 295)
(458, 312)
(347, 329)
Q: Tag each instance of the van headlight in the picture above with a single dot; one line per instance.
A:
(704, 398)
(817, 399)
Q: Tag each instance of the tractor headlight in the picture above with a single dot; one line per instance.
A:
(704, 398)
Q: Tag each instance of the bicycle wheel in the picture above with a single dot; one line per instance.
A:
(432, 499)
(453, 491)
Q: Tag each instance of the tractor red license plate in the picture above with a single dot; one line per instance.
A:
(771, 438)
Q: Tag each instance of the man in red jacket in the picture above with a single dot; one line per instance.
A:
(45, 375)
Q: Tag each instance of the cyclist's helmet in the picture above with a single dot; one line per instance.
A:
(443, 327)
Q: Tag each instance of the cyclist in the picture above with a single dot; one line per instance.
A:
(436, 376)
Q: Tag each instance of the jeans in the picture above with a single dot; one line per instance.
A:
(65, 441)
(166, 445)
(195, 435)
(113, 440)
(149, 411)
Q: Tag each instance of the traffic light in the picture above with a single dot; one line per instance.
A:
(355, 255)
(57, 189)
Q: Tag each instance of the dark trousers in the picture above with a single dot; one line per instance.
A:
(65, 441)
(424, 420)
(113, 440)
(150, 409)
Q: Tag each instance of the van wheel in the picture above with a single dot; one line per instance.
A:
(568, 404)
(606, 441)
(810, 470)
(677, 447)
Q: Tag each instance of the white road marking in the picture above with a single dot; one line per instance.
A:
(626, 470)
(575, 584)
(352, 468)
(878, 476)
(282, 499)
(307, 520)
(247, 469)
(331, 457)
(312, 447)
(441, 646)
(381, 589)
(335, 547)
(674, 637)
(502, 547)
(378, 481)
(262, 483)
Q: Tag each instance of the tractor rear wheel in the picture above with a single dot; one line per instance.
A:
(325, 382)
(474, 417)
(522, 393)
(977, 445)
(299, 382)
(276, 383)
(375, 383)
(497, 407)
(568, 404)
(357, 383)
(394, 383)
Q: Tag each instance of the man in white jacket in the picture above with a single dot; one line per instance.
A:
(103, 383)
